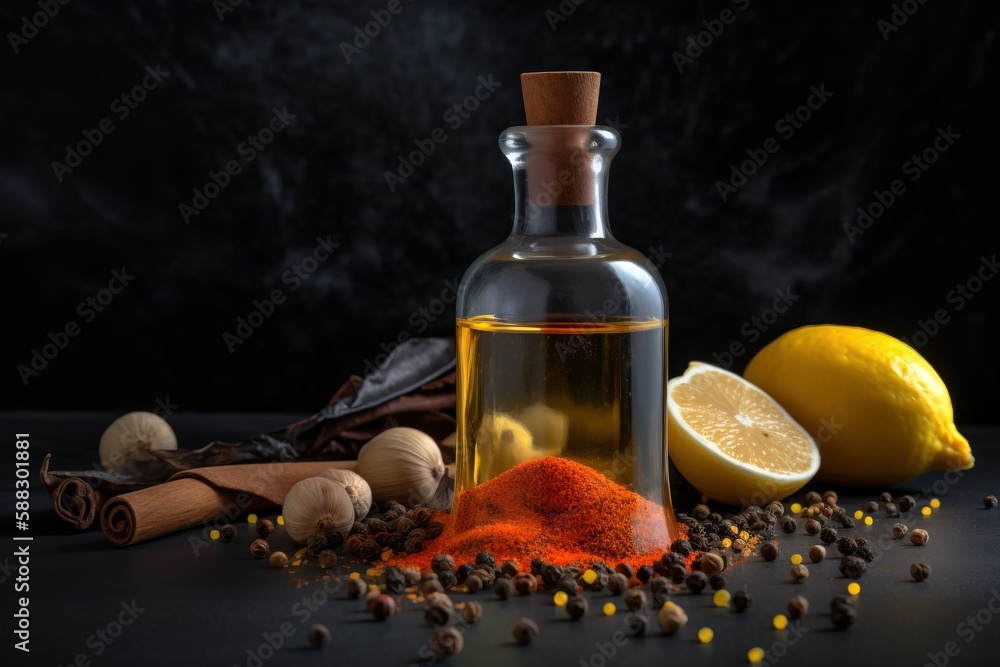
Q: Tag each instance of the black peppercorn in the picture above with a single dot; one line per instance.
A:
(370, 550)
(885, 497)
(812, 497)
(510, 569)
(487, 574)
(637, 625)
(870, 507)
(326, 559)
(798, 607)
(828, 535)
(442, 562)
(817, 553)
(865, 554)
(670, 559)
(920, 571)
(830, 497)
(434, 529)
(446, 642)
(537, 565)
(319, 636)
(567, 584)
(485, 558)
(905, 503)
(853, 567)
(800, 573)
(775, 508)
(813, 527)
(356, 588)
(438, 609)
(354, 543)
(899, 530)
(405, 524)
(395, 582)
(525, 583)
(576, 607)
(990, 502)
(382, 607)
(525, 631)
(635, 599)
(701, 512)
(892, 510)
(264, 528)
(682, 547)
(741, 600)
(316, 544)
(919, 537)
(844, 615)
(259, 548)
(788, 524)
(717, 581)
(677, 574)
(644, 573)
(334, 539)
(617, 583)
(847, 522)
(414, 545)
(769, 551)
(846, 545)
(625, 569)
(472, 611)
(551, 574)
(417, 534)
(696, 582)
(279, 560)
(503, 587)
(430, 584)
(227, 532)
(447, 579)
(474, 583)
(600, 582)
(463, 571)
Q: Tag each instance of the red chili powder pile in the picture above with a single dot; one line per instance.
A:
(557, 510)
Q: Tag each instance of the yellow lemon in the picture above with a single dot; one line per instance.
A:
(732, 441)
(878, 410)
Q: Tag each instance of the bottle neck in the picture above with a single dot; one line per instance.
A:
(560, 179)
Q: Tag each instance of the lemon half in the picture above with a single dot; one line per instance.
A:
(732, 441)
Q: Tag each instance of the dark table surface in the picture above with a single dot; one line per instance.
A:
(177, 600)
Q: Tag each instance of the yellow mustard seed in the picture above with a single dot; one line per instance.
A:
(214, 534)
(726, 543)
(796, 559)
(734, 530)
(355, 575)
(744, 535)
(926, 511)
(721, 598)
(610, 608)
(935, 503)
(705, 635)
(251, 518)
(755, 655)
(796, 508)
(858, 514)
(869, 521)
(560, 598)
(590, 576)
(854, 588)
(780, 621)
(281, 520)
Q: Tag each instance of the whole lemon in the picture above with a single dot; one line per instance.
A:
(878, 411)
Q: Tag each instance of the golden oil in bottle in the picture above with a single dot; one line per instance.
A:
(580, 390)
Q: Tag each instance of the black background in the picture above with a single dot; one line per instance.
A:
(401, 251)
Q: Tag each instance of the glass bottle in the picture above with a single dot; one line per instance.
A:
(561, 329)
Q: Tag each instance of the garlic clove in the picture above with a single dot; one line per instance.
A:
(132, 436)
(402, 464)
(502, 442)
(317, 505)
(357, 489)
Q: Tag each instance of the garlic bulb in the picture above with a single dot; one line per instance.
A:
(402, 464)
(357, 489)
(132, 436)
(316, 505)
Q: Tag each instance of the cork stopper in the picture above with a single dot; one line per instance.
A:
(561, 98)
(558, 171)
